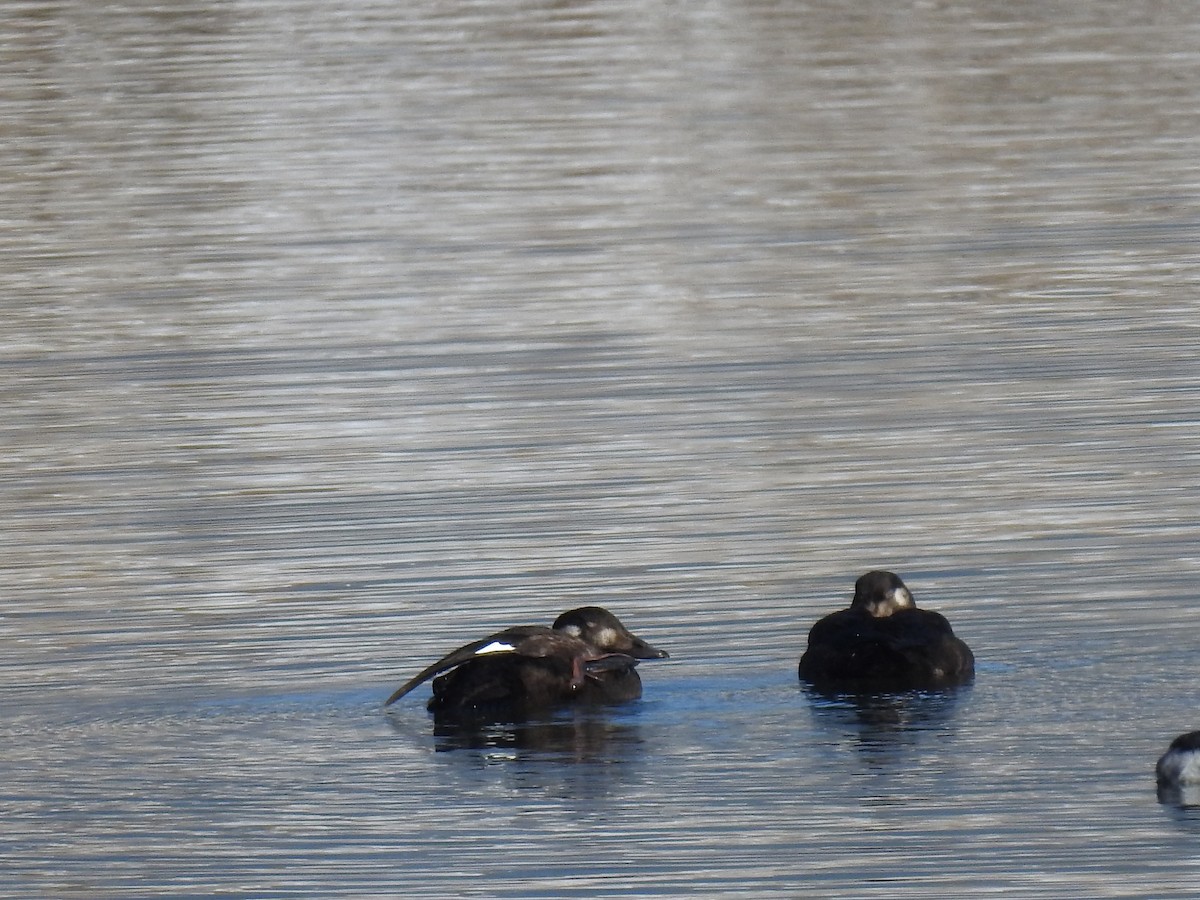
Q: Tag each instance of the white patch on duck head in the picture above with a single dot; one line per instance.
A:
(495, 647)
(572, 629)
(893, 601)
(606, 638)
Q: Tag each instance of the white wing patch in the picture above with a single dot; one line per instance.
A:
(495, 647)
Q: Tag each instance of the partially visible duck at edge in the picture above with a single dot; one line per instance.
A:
(1180, 765)
(883, 642)
(588, 656)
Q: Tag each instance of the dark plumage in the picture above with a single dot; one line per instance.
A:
(587, 657)
(884, 643)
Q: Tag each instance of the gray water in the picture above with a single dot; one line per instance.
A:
(336, 335)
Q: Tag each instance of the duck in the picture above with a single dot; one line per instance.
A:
(1180, 765)
(604, 631)
(883, 643)
(586, 657)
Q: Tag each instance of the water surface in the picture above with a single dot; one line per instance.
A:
(336, 336)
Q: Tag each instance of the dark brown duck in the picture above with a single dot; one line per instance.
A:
(883, 642)
(587, 657)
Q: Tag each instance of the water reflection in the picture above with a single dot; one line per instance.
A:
(582, 753)
(1180, 796)
(1181, 804)
(577, 736)
(882, 723)
(584, 734)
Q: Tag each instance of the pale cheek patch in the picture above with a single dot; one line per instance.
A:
(606, 638)
(495, 647)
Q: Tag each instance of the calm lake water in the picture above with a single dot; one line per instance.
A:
(336, 335)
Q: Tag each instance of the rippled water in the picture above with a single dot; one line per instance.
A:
(337, 335)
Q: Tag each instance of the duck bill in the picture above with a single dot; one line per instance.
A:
(642, 650)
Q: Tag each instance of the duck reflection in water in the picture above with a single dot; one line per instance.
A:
(588, 657)
(1178, 772)
(885, 727)
(581, 752)
(577, 735)
(883, 642)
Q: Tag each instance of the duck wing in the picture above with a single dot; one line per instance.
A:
(510, 640)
